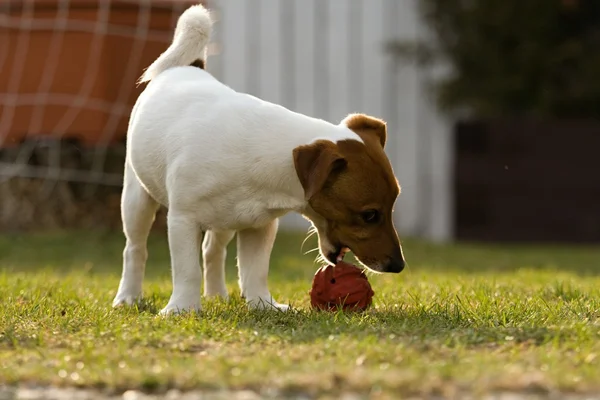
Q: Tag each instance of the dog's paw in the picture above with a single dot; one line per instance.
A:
(126, 299)
(267, 304)
(175, 308)
(282, 307)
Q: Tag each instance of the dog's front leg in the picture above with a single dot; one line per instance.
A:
(254, 252)
(184, 246)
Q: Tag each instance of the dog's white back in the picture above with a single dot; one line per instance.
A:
(225, 156)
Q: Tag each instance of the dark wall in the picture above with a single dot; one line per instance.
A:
(527, 180)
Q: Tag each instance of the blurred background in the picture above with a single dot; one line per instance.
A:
(492, 107)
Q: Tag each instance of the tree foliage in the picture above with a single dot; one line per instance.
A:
(517, 57)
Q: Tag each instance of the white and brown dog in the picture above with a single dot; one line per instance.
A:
(224, 162)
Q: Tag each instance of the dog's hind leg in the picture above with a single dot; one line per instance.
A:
(214, 254)
(138, 211)
(254, 252)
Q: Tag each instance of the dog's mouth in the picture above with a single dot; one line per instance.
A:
(338, 254)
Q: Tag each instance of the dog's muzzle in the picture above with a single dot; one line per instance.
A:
(395, 264)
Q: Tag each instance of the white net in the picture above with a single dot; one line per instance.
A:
(68, 71)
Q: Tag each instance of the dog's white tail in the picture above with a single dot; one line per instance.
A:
(191, 37)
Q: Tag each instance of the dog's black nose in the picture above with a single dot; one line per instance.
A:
(395, 266)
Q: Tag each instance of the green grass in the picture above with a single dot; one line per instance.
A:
(463, 317)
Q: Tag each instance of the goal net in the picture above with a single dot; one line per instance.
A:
(68, 71)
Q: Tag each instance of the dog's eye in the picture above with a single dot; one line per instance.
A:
(370, 216)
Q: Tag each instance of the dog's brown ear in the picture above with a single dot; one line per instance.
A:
(367, 126)
(315, 163)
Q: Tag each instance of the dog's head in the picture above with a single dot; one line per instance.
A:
(351, 190)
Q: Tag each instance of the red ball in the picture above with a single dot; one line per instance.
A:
(343, 286)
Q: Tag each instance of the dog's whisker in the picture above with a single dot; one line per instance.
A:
(311, 251)
(310, 233)
(320, 259)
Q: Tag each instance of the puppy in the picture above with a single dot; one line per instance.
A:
(226, 163)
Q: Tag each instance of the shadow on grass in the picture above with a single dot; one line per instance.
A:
(416, 329)
(417, 326)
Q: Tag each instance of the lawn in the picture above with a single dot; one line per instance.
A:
(461, 318)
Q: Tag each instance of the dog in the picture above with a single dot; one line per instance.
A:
(226, 163)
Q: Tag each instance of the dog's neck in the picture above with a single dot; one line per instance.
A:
(287, 131)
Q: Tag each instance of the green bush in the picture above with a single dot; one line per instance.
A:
(516, 57)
